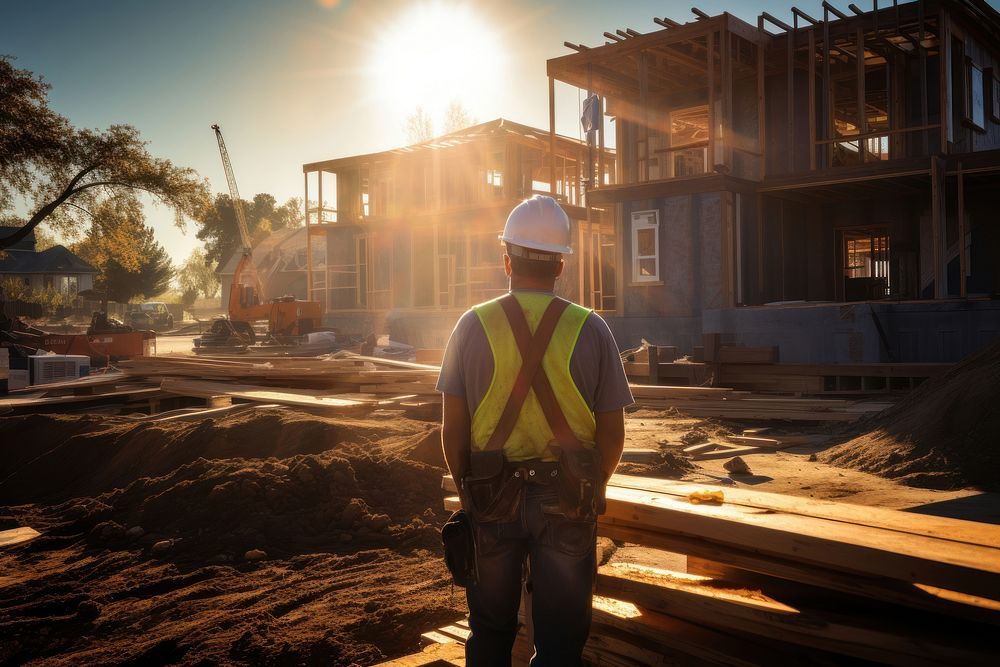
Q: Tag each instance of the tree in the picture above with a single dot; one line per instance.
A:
(218, 229)
(122, 247)
(419, 126)
(66, 172)
(457, 117)
(197, 275)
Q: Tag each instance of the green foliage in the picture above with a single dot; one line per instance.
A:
(218, 229)
(67, 172)
(122, 247)
(50, 299)
(188, 297)
(13, 289)
(197, 275)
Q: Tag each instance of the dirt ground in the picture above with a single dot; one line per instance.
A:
(278, 538)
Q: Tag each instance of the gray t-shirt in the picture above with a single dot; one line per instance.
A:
(596, 365)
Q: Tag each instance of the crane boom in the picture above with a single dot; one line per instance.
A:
(234, 192)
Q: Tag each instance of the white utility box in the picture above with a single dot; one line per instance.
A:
(47, 368)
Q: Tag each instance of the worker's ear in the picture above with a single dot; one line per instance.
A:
(506, 264)
(562, 265)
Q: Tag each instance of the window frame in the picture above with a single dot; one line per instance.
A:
(992, 95)
(640, 221)
(970, 67)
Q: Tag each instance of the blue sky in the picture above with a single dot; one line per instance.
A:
(299, 81)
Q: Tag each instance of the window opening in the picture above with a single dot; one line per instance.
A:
(645, 246)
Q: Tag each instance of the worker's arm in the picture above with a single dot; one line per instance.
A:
(610, 439)
(456, 434)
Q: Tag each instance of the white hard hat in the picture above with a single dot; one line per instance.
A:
(539, 223)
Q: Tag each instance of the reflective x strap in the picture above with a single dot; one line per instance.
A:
(543, 387)
(532, 350)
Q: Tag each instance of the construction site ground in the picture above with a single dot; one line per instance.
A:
(279, 538)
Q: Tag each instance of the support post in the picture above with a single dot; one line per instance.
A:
(962, 266)
(727, 95)
(944, 79)
(938, 219)
(827, 91)
(552, 137)
(644, 112)
(761, 111)
(713, 119)
(812, 99)
(309, 265)
(860, 75)
(790, 95)
(923, 76)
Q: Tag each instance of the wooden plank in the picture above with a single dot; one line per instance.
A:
(124, 395)
(709, 647)
(875, 588)
(958, 566)
(435, 655)
(295, 397)
(15, 536)
(943, 528)
(727, 452)
(881, 639)
(766, 443)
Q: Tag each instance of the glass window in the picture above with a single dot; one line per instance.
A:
(645, 246)
(975, 103)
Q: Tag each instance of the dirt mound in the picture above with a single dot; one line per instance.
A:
(272, 537)
(942, 436)
(54, 457)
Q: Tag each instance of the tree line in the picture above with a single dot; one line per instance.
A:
(87, 186)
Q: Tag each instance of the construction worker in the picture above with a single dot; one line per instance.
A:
(533, 427)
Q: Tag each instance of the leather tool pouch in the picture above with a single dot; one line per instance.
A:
(581, 487)
(490, 490)
(459, 541)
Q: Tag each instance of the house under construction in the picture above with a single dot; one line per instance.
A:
(824, 184)
(411, 235)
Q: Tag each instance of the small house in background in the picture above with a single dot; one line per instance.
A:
(827, 185)
(410, 235)
(56, 267)
(280, 259)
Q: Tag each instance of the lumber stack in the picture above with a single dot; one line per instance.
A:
(757, 374)
(342, 383)
(774, 579)
(725, 403)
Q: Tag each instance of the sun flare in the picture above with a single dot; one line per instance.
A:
(436, 53)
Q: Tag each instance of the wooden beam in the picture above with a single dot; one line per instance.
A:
(812, 99)
(644, 113)
(713, 119)
(860, 92)
(868, 636)
(761, 113)
(938, 219)
(552, 136)
(727, 96)
(944, 72)
(790, 100)
(309, 276)
(962, 265)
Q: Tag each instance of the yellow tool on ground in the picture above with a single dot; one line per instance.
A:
(698, 497)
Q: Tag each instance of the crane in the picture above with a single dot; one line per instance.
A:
(287, 317)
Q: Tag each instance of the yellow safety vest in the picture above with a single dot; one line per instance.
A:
(531, 436)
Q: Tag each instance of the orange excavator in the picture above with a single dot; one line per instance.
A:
(288, 319)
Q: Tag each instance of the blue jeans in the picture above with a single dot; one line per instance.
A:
(561, 553)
